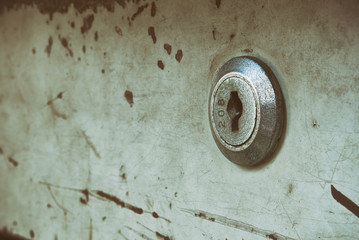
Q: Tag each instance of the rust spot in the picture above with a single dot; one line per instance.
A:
(175, 194)
(232, 36)
(272, 236)
(129, 97)
(160, 64)
(87, 23)
(72, 24)
(78, 59)
(120, 202)
(170, 205)
(103, 218)
(96, 36)
(84, 49)
(118, 30)
(168, 48)
(154, 214)
(151, 32)
(123, 176)
(13, 161)
(214, 31)
(153, 9)
(1, 151)
(290, 189)
(48, 205)
(49, 46)
(65, 44)
(103, 71)
(218, 3)
(33, 51)
(32, 234)
(159, 235)
(179, 55)
(139, 11)
(127, 194)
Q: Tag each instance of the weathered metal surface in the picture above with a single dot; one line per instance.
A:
(104, 130)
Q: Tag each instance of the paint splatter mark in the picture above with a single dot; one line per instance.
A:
(49, 46)
(160, 64)
(236, 224)
(13, 161)
(139, 11)
(218, 3)
(179, 55)
(248, 50)
(33, 51)
(153, 9)
(89, 143)
(232, 36)
(151, 32)
(83, 48)
(129, 97)
(65, 44)
(7, 235)
(32, 234)
(96, 36)
(345, 201)
(119, 202)
(168, 48)
(87, 23)
(118, 30)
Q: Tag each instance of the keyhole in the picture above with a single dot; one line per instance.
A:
(234, 110)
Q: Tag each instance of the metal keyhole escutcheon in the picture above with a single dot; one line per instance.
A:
(246, 111)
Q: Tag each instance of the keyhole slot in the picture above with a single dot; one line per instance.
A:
(234, 110)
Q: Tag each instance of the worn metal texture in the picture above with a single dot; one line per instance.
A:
(104, 130)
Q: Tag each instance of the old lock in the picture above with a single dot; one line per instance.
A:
(246, 111)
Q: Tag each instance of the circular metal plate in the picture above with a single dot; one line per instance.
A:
(246, 111)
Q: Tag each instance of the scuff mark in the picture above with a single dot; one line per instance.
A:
(65, 44)
(345, 201)
(236, 224)
(118, 30)
(89, 143)
(179, 55)
(12, 161)
(151, 32)
(119, 202)
(7, 235)
(139, 11)
(87, 23)
(168, 48)
(49, 46)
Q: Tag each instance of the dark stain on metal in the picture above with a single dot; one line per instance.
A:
(14, 223)
(160, 64)
(315, 124)
(83, 48)
(1, 151)
(103, 71)
(129, 97)
(154, 214)
(175, 194)
(248, 50)
(290, 189)
(159, 235)
(90, 230)
(345, 201)
(151, 32)
(139, 11)
(48, 205)
(13, 161)
(214, 31)
(5, 234)
(272, 236)
(179, 55)
(86, 193)
(49, 46)
(59, 96)
(78, 59)
(96, 36)
(57, 113)
(123, 176)
(118, 30)
(119, 202)
(32, 234)
(65, 44)
(33, 51)
(103, 218)
(170, 205)
(168, 48)
(218, 3)
(153, 9)
(72, 24)
(232, 36)
(87, 23)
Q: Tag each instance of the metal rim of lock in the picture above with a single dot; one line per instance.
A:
(246, 111)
